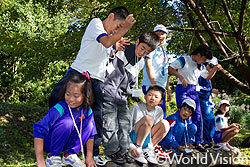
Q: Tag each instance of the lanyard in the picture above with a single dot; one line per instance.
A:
(163, 55)
(79, 133)
(137, 68)
(186, 139)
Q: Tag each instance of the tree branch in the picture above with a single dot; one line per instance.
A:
(194, 25)
(229, 34)
(242, 14)
(238, 84)
(230, 19)
(207, 26)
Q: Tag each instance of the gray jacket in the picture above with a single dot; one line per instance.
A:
(119, 83)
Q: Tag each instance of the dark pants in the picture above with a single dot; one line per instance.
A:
(98, 87)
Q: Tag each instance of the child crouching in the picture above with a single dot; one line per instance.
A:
(181, 129)
(148, 126)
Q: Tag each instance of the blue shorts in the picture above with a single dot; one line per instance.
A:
(217, 137)
(133, 137)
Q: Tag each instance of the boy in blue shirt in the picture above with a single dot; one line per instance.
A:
(181, 129)
(95, 46)
(206, 103)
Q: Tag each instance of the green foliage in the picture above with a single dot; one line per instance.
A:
(38, 41)
(239, 109)
(16, 133)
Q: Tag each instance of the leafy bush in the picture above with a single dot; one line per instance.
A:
(239, 109)
(35, 91)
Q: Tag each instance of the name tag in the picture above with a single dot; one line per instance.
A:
(198, 88)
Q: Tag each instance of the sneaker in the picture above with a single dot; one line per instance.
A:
(216, 147)
(208, 146)
(230, 147)
(53, 161)
(117, 158)
(162, 152)
(149, 154)
(100, 160)
(128, 158)
(73, 160)
(223, 146)
(141, 158)
(200, 148)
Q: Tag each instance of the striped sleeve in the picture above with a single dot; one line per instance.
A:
(178, 63)
(219, 123)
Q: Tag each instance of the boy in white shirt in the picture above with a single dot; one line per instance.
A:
(92, 57)
(148, 127)
(188, 69)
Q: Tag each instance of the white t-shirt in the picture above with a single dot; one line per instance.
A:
(92, 56)
(221, 122)
(139, 110)
(188, 69)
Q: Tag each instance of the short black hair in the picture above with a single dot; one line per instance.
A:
(120, 12)
(204, 50)
(150, 38)
(188, 106)
(87, 91)
(157, 88)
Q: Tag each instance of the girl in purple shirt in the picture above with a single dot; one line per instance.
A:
(68, 126)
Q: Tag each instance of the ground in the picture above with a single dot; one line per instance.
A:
(16, 136)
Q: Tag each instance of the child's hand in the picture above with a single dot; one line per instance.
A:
(135, 153)
(219, 67)
(129, 21)
(215, 91)
(181, 148)
(184, 82)
(238, 126)
(90, 162)
(120, 45)
(190, 146)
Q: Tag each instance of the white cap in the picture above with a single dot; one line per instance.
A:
(213, 61)
(161, 27)
(224, 102)
(190, 102)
